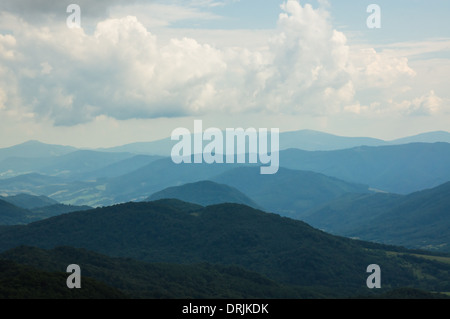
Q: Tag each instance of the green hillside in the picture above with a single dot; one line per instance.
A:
(284, 250)
(138, 279)
(24, 282)
(54, 210)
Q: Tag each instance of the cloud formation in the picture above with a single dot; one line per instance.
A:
(39, 11)
(121, 70)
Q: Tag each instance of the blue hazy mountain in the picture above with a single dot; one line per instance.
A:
(161, 147)
(302, 139)
(429, 137)
(395, 168)
(71, 164)
(418, 220)
(78, 165)
(87, 177)
(15, 166)
(289, 192)
(33, 149)
(29, 183)
(82, 161)
(204, 193)
(309, 140)
(118, 168)
(158, 175)
(28, 201)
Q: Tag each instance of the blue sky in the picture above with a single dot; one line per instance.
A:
(136, 70)
(403, 20)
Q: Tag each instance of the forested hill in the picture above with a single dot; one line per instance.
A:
(283, 249)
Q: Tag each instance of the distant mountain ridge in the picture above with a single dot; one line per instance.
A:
(429, 137)
(204, 193)
(310, 140)
(28, 201)
(33, 148)
(399, 169)
(65, 165)
(99, 178)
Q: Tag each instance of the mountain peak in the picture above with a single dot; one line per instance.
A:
(427, 137)
(31, 142)
(33, 149)
(204, 193)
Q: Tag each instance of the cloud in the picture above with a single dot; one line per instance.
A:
(380, 69)
(150, 12)
(428, 104)
(166, 13)
(123, 71)
(38, 11)
(7, 44)
(311, 62)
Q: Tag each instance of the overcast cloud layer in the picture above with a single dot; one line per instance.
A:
(122, 70)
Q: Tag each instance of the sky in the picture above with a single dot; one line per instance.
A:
(136, 70)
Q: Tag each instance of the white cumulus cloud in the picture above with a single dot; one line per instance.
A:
(123, 71)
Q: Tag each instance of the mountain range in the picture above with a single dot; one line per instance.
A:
(336, 205)
(418, 220)
(35, 149)
(308, 140)
(285, 251)
(289, 192)
(96, 178)
(71, 165)
(398, 169)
